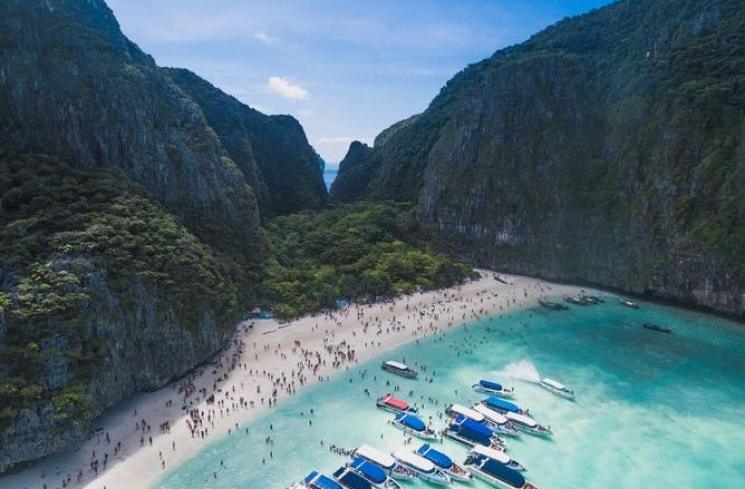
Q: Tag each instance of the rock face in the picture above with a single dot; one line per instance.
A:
(272, 151)
(607, 149)
(129, 229)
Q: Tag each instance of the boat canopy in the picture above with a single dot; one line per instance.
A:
(412, 459)
(395, 403)
(320, 481)
(501, 404)
(467, 412)
(375, 455)
(369, 469)
(352, 480)
(556, 385)
(411, 421)
(436, 457)
(522, 419)
(491, 453)
(472, 430)
(503, 473)
(491, 385)
(396, 365)
(490, 414)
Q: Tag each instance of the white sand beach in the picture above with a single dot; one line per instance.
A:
(266, 362)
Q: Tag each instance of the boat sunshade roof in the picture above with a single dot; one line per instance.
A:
(371, 470)
(504, 473)
(434, 456)
(491, 385)
(498, 403)
(412, 422)
(355, 481)
(396, 403)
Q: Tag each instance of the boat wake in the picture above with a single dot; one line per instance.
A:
(523, 370)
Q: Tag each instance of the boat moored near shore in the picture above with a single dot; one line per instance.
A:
(496, 421)
(496, 474)
(498, 455)
(399, 368)
(471, 433)
(495, 388)
(557, 388)
(374, 473)
(628, 303)
(414, 426)
(554, 306)
(425, 469)
(528, 425)
(382, 459)
(504, 407)
(316, 480)
(388, 402)
(445, 463)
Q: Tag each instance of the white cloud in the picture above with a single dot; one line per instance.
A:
(287, 89)
(264, 38)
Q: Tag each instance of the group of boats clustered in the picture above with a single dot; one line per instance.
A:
(481, 427)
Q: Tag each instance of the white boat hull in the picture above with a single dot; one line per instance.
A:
(428, 435)
(495, 443)
(558, 392)
(500, 393)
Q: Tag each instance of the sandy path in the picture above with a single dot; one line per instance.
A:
(261, 357)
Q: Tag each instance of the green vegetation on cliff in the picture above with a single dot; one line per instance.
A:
(357, 252)
(63, 232)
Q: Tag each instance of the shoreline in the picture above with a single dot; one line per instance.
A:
(265, 361)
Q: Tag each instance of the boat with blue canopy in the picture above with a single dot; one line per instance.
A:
(388, 463)
(471, 433)
(424, 468)
(374, 473)
(498, 455)
(414, 426)
(502, 406)
(497, 474)
(349, 479)
(444, 462)
(316, 480)
(495, 388)
(496, 421)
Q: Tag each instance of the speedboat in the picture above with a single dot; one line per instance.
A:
(316, 480)
(471, 433)
(350, 479)
(628, 303)
(657, 327)
(575, 300)
(491, 387)
(374, 473)
(557, 388)
(498, 423)
(445, 463)
(388, 463)
(424, 468)
(554, 306)
(393, 405)
(498, 455)
(414, 426)
(526, 424)
(591, 299)
(496, 474)
(502, 406)
(399, 368)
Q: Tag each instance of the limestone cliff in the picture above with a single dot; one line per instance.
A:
(607, 149)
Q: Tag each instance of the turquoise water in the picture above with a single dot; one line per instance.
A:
(652, 410)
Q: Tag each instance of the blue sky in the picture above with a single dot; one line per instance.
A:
(345, 69)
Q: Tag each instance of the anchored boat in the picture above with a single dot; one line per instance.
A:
(502, 406)
(554, 306)
(399, 368)
(349, 479)
(374, 473)
(557, 388)
(496, 421)
(471, 433)
(408, 423)
(445, 463)
(393, 405)
(316, 480)
(575, 300)
(497, 474)
(657, 327)
(424, 468)
(388, 463)
(491, 387)
(498, 455)
(526, 424)
(628, 303)
(455, 410)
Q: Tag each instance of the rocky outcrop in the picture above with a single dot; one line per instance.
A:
(607, 149)
(272, 151)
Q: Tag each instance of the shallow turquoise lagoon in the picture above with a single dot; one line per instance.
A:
(652, 410)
